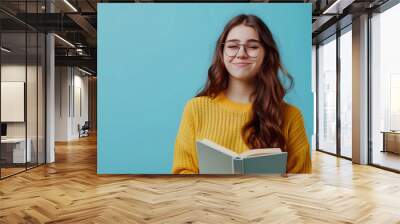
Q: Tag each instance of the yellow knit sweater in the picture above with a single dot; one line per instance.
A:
(221, 120)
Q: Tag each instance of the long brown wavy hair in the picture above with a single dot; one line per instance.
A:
(265, 127)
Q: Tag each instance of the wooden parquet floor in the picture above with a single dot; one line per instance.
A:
(70, 191)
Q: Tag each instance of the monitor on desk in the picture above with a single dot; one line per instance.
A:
(3, 130)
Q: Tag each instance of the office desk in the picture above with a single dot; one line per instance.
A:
(13, 150)
(391, 141)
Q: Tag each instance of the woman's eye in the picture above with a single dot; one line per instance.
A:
(233, 47)
(253, 47)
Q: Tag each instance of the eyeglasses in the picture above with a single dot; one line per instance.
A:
(251, 49)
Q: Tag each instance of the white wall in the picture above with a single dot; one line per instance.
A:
(62, 81)
(71, 94)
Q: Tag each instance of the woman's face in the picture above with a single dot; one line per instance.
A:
(243, 53)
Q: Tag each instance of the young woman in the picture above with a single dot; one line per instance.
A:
(241, 106)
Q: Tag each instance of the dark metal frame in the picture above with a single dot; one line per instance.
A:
(338, 97)
(45, 91)
(369, 90)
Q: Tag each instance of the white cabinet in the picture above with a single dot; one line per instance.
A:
(17, 146)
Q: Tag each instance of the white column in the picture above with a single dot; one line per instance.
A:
(360, 90)
(50, 100)
(50, 93)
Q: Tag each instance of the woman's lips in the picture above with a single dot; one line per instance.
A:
(241, 65)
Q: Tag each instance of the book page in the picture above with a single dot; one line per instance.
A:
(219, 148)
(260, 152)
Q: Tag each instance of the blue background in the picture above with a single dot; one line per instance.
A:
(152, 58)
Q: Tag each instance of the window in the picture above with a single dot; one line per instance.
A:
(385, 89)
(327, 96)
(346, 93)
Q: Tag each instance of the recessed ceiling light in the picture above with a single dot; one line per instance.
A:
(70, 5)
(5, 50)
(84, 71)
(337, 7)
(65, 41)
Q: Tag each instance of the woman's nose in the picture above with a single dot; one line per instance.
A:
(241, 53)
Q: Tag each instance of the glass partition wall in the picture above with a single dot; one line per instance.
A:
(22, 77)
(327, 95)
(334, 86)
(345, 62)
(385, 89)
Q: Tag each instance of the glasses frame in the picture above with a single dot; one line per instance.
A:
(244, 47)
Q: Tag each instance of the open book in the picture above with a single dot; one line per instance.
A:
(216, 159)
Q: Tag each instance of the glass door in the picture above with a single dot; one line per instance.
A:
(327, 95)
(346, 92)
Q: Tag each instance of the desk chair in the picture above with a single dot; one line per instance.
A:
(84, 130)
